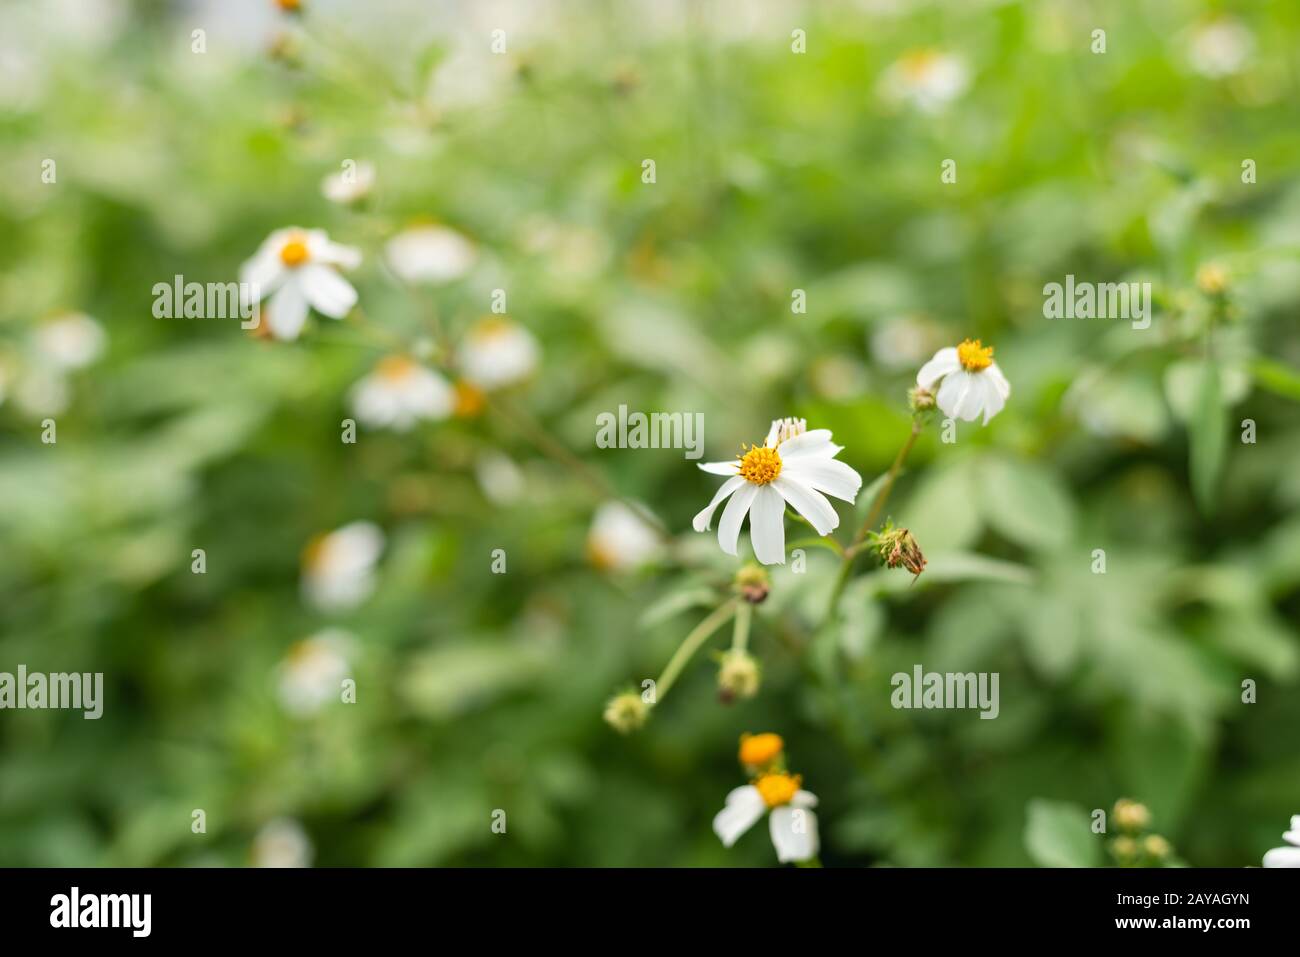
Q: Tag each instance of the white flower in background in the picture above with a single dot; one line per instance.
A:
(399, 392)
(972, 382)
(312, 673)
(339, 568)
(70, 341)
(792, 823)
(794, 466)
(430, 254)
(1220, 47)
(297, 269)
(497, 352)
(900, 342)
(501, 480)
(620, 539)
(350, 184)
(42, 391)
(282, 843)
(1286, 856)
(926, 79)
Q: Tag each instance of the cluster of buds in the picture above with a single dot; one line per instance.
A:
(1134, 847)
(627, 712)
(898, 549)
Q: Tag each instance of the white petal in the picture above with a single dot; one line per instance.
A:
(815, 443)
(327, 291)
(825, 475)
(288, 308)
(803, 799)
(703, 519)
(958, 396)
(999, 380)
(1282, 857)
(794, 833)
(993, 400)
(945, 362)
(744, 807)
(720, 468)
(733, 515)
(809, 503)
(261, 276)
(767, 526)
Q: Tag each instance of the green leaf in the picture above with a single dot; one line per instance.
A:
(1058, 834)
(1208, 439)
(1025, 502)
(1276, 377)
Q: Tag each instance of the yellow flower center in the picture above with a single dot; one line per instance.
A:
(974, 356)
(470, 399)
(760, 465)
(760, 749)
(394, 368)
(918, 63)
(778, 789)
(293, 253)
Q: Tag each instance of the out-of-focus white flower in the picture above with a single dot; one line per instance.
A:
(430, 254)
(793, 465)
(350, 184)
(500, 479)
(282, 843)
(972, 382)
(312, 672)
(42, 391)
(926, 79)
(70, 341)
(1286, 856)
(297, 269)
(620, 539)
(497, 352)
(339, 568)
(902, 341)
(1220, 47)
(792, 823)
(399, 392)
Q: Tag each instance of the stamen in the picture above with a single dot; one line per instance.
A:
(778, 789)
(974, 356)
(294, 252)
(760, 465)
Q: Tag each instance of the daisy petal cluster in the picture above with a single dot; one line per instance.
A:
(775, 792)
(296, 270)
(970, 382)
(399, 392)
(338, 568)
(793, 466)
(1288, 856)
(497, 352)
(312, 672)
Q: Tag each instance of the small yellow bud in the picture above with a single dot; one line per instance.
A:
(920, 400)
(760, 750)
(738, 675)
(752, 583)
(1124, 848)
(1156, 846)
(1130, 815)
(1212, 279)
(626, 712)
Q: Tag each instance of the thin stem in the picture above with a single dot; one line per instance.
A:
(690, 645)
(740, 637)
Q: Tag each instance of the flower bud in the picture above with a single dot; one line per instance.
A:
(1124, 848)
(920, 400)
(738, 676)
(1156, 846)
(760, 750)
(626, 712)
(1212, 279)
(752, 583)
(899, 549)
(1130, 815)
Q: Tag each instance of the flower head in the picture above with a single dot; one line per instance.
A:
(620, 539)
(349, 185)
(297, 269)
(739, 675)
(925, 79)
(399, 392)
(626, 712)
(760, 750)
(497, 352)
(898, 549)
(430, 254)
(282, 843)
(312, 672)
(338, 568)
(793, 466)
(753, 583)
(1288, 856)
(1220, 47)
(1130, 815)
(791, 822)
(971, 381)
(70, 341)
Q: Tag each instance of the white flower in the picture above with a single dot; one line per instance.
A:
(792, 823)
(972, 381)
(297, 269)
(430, 254)
(282, 843)
(70, 341)
(399, 392)
(926, 79)
(794, 466)
(497, 352)
(42, 391)
(1220, 47)
(350, 184)
(312, 673)
(1286, 856)
(620, 539)
(501, 480)
(338, 568)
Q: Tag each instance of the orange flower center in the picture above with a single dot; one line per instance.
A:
(394, 368)
(293, 253)
(757, 750)
(760, 465)
(974, 356)
(778, 789)
(470, 399)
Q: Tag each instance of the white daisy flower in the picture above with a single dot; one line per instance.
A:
(926, 79)
(620, 539)
(41, 391)
(312, 673)
(70, 341)
(1220, 47)
(794, 466)
(282, 843)
(296, 268)
(399, 392)
(350, 184)
(430, 254)
(791, 822)
(972, 382)
(497, 352)
(1286, 856)
(339, 568)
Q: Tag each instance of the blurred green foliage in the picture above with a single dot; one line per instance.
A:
(775, 171)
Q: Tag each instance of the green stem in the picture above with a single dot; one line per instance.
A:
(690, 645)
(740, 637)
